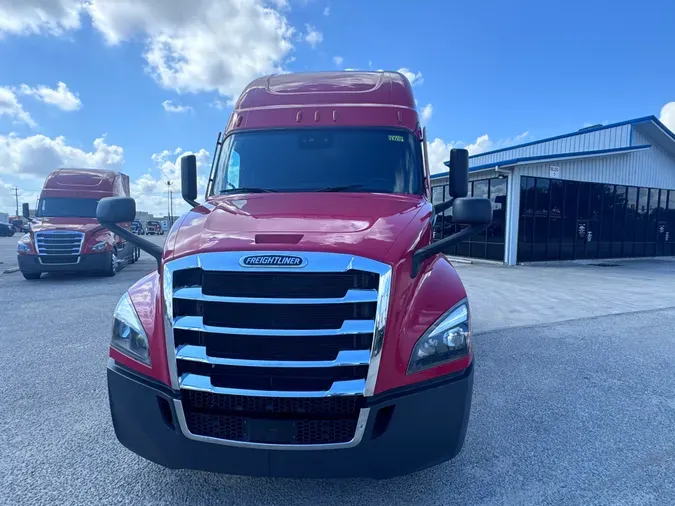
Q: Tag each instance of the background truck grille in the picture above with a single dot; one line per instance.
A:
(267, 356)
(59, 242)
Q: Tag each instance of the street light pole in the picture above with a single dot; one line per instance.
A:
(169, 201)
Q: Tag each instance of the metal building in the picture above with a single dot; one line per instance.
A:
(606, 191)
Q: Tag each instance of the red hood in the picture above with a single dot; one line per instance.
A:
(79, 224)
(362, 224)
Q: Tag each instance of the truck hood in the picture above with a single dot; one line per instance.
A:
(75, 224)
(356, 223)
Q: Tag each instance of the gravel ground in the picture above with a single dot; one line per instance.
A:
(577, 412)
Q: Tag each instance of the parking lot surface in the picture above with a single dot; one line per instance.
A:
(574, 398)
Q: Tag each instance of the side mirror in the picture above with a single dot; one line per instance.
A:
(476, 212)
(188, 179)
(113, 210)
(458, 179)
(472, 211)
(458, 183)
(25, 211)
(116, 210)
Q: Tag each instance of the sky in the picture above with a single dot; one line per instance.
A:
(134, 85)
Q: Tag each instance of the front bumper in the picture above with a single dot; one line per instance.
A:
(57, 263)
(426, 426)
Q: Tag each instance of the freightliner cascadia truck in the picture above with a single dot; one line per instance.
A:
(301, 322)
(65, 236)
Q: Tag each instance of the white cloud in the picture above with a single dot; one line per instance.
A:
(326, 10)
(24, 17)
(202, 45)
(313, 36)
(150, 192)
(12, 108)
(60, 97)
(439, 150)
(222, 104)
(338, 60)
(38, 155)
(351, 70)
(425, 113)
(415, 78)
(667, 116)
(169, 106)
(482, 144)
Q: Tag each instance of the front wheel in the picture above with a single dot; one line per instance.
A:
(31, 275)
(111, 270)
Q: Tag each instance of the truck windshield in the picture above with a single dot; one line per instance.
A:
(353, 160)
(67, 208)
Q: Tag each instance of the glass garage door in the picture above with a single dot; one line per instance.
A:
(565, 220)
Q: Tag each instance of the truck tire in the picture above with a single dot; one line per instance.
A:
(31, 275)
(111, 270)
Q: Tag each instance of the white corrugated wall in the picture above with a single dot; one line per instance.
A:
(650, 168)
(609, 138)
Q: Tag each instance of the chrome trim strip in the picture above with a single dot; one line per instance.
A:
(380, 327)
(167, 292)
(189, 381)
(196, 323)
(193, 353)
(361, 423)
(352, 296)
(51, 263)
(316, 262)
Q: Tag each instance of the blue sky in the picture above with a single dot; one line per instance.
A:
(489, 73)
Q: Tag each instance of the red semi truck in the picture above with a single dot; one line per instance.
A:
(65, 235)
(301, 321)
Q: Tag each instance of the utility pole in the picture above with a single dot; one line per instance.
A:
(16, 194)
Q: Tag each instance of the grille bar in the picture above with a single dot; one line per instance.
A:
(59, 242)
(200, 383)
(196, 323)
(352, 296)
(344, 358)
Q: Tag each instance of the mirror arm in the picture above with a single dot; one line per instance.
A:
(193, 203)
(422, 254)
(149, 247)
(439, 208)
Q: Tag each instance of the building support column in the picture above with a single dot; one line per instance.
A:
(512, 207)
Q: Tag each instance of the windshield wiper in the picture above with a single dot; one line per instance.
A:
(345, 188)
(247, 190)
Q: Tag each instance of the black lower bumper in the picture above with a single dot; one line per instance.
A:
(424, 426)
(93, 262)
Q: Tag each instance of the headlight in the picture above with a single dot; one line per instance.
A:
(446, 340)
(128, 336)
(23, 246)
(100, 246)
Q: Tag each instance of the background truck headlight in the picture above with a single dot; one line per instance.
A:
(23, 246)
(100, 246)
(446, 340)
(128, 336)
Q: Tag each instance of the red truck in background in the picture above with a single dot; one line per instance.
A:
(301, 321)
(65, 236)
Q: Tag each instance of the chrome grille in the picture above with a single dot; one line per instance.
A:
(59, 242)
(287, 337)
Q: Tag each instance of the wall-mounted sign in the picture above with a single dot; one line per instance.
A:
(554, 172)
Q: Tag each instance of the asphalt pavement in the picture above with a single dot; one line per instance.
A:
(575, 412)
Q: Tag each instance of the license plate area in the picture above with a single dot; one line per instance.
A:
(270, 431)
